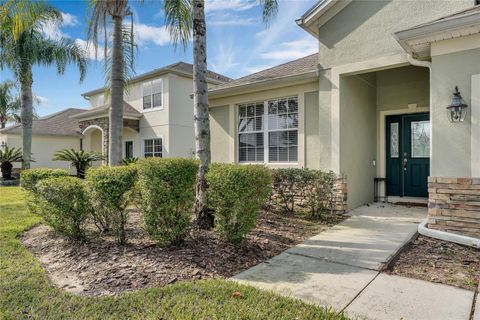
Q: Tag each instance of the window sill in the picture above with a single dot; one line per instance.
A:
(152, 109)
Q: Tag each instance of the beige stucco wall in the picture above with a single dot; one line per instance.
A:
(223, 122)
(173, 122)
(364, 29)
(357, 136)
(43, 149)
(451, 142)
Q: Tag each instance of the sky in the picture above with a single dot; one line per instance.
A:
(238, 43)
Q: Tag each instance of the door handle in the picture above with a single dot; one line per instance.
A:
(405, 161)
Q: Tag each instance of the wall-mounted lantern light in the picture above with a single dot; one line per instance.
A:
(457, 110)
(3, 145)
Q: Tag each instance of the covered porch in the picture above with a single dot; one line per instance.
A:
(385, 134)
(94, 125)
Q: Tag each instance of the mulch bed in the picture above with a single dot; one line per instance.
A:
(439, 261)
(102, 267)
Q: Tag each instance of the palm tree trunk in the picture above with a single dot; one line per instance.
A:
(201, 115)
(2, 125)
(116, 91)
(27, 116)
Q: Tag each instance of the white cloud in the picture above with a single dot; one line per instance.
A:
(291, 50)
(223, 5)
(225, 57)
(41, 100)
(234, 21)
(90, 50)
(53, 30)
(151, 34)
(69, 20)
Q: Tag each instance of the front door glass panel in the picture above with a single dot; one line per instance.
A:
(420, 139)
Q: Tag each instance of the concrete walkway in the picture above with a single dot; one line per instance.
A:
(340, 268)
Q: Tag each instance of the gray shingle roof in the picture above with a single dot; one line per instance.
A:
(58, 124)
(103, 111)
(292, 68)
(179, 67)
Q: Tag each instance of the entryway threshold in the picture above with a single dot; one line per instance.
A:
(407, 200)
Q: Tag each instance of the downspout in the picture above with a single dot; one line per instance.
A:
(447, 236)
(422, 227)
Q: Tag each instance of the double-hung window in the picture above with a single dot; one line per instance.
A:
(268, 131)
(152, 94)
(152, 148)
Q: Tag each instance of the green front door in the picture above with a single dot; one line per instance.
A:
(408, 155)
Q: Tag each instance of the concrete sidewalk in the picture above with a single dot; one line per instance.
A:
(340, 268)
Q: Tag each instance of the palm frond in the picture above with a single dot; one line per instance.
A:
(269, 11)
(8, 154)
(178, 19)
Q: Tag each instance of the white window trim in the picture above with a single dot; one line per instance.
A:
(163, 95)
(142, 147)
(265, 132)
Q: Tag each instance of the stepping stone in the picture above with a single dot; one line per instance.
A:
(394, 297)
(312, 280)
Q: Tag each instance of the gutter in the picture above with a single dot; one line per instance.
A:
(447, 236)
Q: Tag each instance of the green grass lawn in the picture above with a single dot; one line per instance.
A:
(26, 292)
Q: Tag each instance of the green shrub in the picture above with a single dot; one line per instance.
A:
(63, 203)
(236, 193)
(29, 178)
(299, 188)
(288, 186)
(110, 190)
(166, 195)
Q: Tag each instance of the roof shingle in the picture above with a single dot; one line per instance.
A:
(292, 68)
(58, 124)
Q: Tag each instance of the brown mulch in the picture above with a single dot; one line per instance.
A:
(102, 267)
(439, 261)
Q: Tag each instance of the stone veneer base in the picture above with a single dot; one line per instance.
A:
(454, 205)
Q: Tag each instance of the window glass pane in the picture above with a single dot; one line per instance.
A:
(292, 105)
(250, 110)
(147, 102)
(394, 140)
(420, 139)
(157, 86)
(157, 100)
(282, 106)
(147, 88)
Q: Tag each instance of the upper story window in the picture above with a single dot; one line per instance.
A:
(101, 100)
(152, 94)
(268, 131)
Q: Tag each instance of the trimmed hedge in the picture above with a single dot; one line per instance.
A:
(63, 203)
(166, 190)
(29, 178)
(299, 188)
(110, 189)
(236, 193)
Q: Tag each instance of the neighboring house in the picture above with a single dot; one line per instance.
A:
(371, 104)
(158, 114)
(49, 134)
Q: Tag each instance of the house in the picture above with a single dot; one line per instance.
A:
(372, 103)
(50, 134)
(157, 119)
(158, 114)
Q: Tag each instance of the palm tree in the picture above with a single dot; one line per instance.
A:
(7, 156)
(81, 160)
(182, 17)
(9, 104)
(102, 14)
(22, 45)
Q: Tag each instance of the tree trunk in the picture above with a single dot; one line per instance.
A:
(27, 116)
(2, 125)
(116, 92)
(201, 115)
